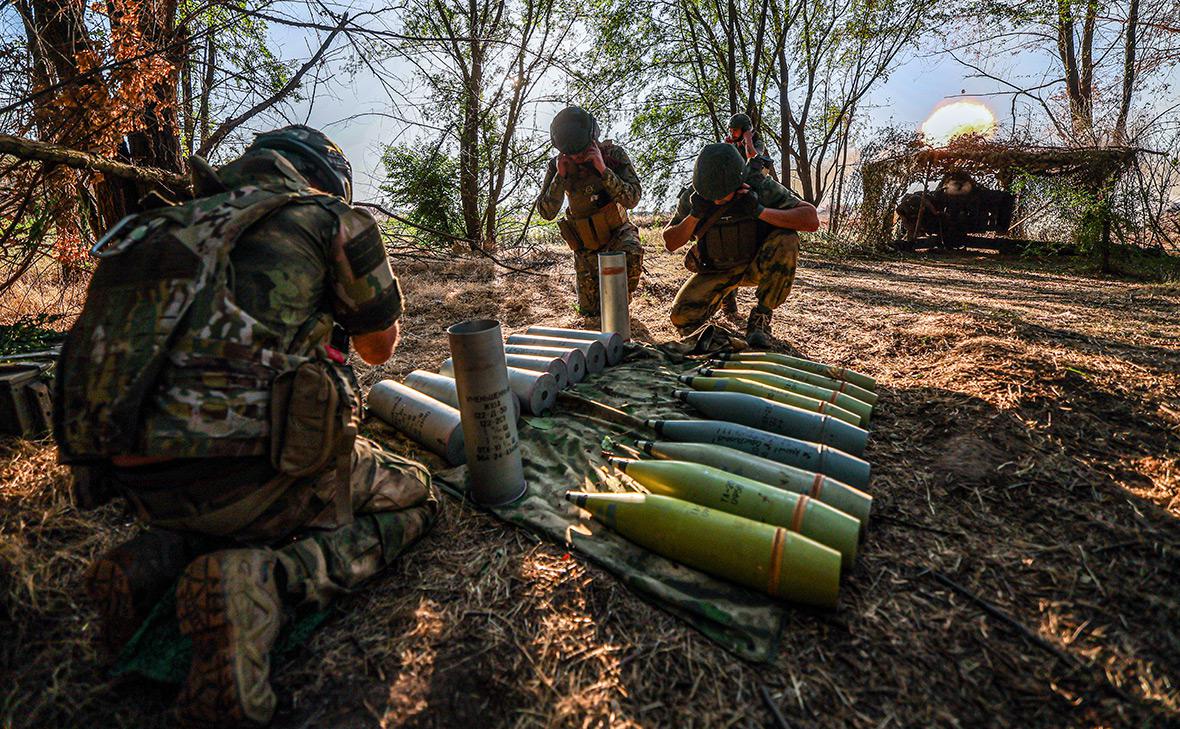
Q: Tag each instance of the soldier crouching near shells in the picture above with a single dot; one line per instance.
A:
(203, 384)
(601, 185)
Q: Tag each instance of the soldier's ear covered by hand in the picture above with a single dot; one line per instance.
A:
(702, 207)
(746, 203)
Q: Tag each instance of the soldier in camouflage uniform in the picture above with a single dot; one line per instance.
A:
(201, 384)
(744, 226)
(601, 185)
(750, 145)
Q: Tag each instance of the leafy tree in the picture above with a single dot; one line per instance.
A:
(421, 184)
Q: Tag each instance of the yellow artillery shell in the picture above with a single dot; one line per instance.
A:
(860, 393)
(752, 499)
(862, 409)
(837, 373)
(770, 559)
(834, 493)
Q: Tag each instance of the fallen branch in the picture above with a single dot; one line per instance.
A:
(32, 149)
(1026, 633)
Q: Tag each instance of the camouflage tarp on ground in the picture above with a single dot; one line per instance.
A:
(562, 452)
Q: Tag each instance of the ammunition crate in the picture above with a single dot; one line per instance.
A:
(25, 406)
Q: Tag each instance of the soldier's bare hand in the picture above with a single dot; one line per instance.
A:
(565, 165)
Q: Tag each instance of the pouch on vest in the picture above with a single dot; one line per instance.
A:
(593, 232)
(728, 245)
(305, 420)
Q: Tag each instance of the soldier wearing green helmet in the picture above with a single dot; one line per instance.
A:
(600, 185)
(750, 144)
(744, 225)
(222, 409)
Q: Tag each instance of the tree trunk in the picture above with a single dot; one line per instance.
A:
(1129, 52)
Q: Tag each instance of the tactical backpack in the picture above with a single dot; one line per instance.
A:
(161, 348)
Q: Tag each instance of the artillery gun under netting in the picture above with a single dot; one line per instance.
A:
(947, 215)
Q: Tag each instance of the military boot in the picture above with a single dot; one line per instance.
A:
(758, 328)
(229, 603)
(126, 583)
(729, 305)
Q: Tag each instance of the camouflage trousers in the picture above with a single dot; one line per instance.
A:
(392, 500)
(625, 238)
(772, 271)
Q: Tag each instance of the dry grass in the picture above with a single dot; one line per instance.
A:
(1026, 447)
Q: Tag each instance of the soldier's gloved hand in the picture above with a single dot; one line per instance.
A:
(702, 207)
(746, 205)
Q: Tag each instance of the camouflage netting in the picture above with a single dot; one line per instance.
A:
(885, 180)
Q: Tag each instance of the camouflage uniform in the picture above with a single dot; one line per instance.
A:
(772, 269)
(588, 193)
(207, 381)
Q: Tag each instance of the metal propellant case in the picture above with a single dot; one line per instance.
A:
(25, 406)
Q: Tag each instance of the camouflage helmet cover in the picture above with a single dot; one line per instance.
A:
(313, 146)
(573, 129)
(741, 121)
(718, 171)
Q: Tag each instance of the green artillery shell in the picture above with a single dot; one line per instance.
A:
(823, 394)
(838, 373)
(746, 497)
(758, 412)
(854, 502)
(793, 373)
(791, 451)
(770, 559)
(738, 384)
(611, 340)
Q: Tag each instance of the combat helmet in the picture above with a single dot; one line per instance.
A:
(741, 121)
(718, 171)
(312, 147)
(573, 129)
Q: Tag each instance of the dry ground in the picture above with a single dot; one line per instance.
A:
(1026, 451)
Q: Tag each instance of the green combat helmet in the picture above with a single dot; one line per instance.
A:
(573, 129)
(741, 121)
(312, 147)
(718, 171)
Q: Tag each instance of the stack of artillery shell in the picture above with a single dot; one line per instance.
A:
(741, 496)
(767, 558)
(593, 349)
(442, 387)
(536, 391)
(840, 374)
(574, 358)
(838, 495)
(611, 340)
(764, 414)
(553, 365)
(737, 384)
(842, 386)
(432, 423)
(847, 402)
(791, 451)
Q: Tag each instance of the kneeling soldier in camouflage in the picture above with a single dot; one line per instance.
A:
(744, 224)
(201, 384)
(602, 186)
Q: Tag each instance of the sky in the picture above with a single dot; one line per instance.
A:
(357, 117)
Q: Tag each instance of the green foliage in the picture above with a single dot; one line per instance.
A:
(29, 333)
(420, 183)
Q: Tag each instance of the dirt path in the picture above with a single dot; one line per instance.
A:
(1027, 450)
